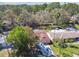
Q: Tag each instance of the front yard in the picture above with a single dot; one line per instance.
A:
(76, 26)
(66, 51)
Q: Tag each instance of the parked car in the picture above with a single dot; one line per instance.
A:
(45, 51)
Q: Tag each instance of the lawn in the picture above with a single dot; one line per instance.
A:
(76, 26)
(67, 51)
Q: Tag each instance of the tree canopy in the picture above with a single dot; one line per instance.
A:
(23, 39)
(38, 14)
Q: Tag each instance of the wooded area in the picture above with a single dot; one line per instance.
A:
(33, 15)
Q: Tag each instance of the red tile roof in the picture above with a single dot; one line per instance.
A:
(42, 36)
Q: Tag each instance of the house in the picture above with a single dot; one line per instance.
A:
(42, 35)
(2, 40)
(47, 37)
(63, 34)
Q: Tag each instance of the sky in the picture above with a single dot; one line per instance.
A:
(29, 3)
(17, 3)
(26, 0)
(39, 0)
(33, 2)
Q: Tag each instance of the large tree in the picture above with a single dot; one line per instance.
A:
(43, 17)
(60, 16)
(23, 39)
(9, 16)
(72, 8)
(53, 6)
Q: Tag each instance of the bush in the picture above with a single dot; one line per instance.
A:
(69, 40)
(76, 26)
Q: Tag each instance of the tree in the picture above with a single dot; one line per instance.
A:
(1, 29)
(60, 16)
(9, 16)
(36, 8)
(43, 17)
(16, 9)
(23, 39)
(72, 8)
(44, 6)
(1, 15)
(24, 18)
(53, 6)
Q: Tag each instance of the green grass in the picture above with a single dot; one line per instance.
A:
(61, 52)
(67, 51)
(76, 26)
(73, 50)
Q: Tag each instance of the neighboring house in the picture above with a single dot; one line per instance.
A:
(63, 34)
(2, 40)
(42, 36)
